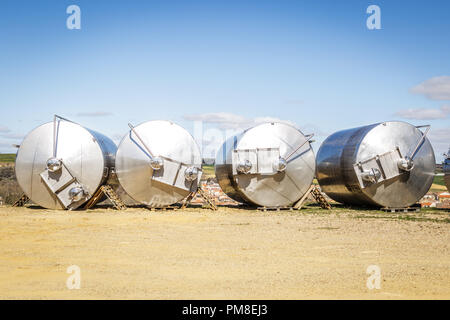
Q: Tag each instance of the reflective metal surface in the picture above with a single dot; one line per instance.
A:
(158, 163)
(271, 164)
(447, 171)
(84, 159)
(389, 164)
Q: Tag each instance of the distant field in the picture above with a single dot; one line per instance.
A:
(439, 180)
(7, 157)
(208, 171)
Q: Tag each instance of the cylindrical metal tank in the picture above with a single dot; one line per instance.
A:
(271, 164)
(388, 164)
(60, 164)
(447, 170)
(158, 163)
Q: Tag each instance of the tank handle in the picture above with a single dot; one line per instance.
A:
(420, 143)
(308, 138)
(142, 141)
(55, 135)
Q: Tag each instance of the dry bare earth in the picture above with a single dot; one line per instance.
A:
(239, 254)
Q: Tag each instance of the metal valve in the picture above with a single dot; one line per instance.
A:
(76, 194)
(280, 164)
(244, 167)
(156, 163)
(371, 175)
(191, 173)
(54, 164)
(405, 164)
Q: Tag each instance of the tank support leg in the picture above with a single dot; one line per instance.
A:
(21, 201)
(110, 194)
(317, 195)
(206, 198)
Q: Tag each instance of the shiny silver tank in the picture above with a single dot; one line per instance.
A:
(60, 164)
(389, 164)
(271, 164)
(447, 170)
(158, 163)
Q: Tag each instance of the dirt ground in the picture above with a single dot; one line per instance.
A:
(228, 254)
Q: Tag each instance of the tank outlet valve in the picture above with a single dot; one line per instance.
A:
(405, 164)
(76, 194)
(280, 165)
(54, 164)
(191, 173)
(156, 163)
(244, 167)
(371, 176)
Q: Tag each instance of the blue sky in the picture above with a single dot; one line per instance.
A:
(228, 63)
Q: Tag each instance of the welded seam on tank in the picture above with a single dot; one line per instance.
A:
(293, 182)
(32, 173)
(282, 140)
(276, 191)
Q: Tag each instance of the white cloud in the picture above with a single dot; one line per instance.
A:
(223, 119)
(94, 114)
(437, 88)
(440, 140)
(440, 135)
(425, 114)
(226, 120)
(12, 136)
(4, 129)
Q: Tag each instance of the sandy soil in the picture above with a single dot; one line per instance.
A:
(228, 254)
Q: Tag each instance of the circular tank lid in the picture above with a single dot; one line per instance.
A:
(164, 176)
(282, 164)
(407, 188)
(76, 149)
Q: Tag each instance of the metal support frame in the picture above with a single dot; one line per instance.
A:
(21, 201)
(211, 203)
(318, 197)
(108, 191)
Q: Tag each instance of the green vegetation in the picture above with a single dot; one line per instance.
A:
(9, 189)
(7, 157)
(208, 171)
(439, 180)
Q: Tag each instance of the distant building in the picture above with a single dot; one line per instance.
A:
(428, 204)
(444, 200)
(444, 197)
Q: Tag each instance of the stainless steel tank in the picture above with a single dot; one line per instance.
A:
(60, 164)
(389, 164)
(447, 170)
(158, 163)
(271, 164)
